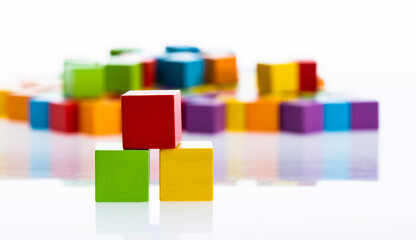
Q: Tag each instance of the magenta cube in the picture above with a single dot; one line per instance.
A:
(205, 115)
(364, 115)
(301, 116)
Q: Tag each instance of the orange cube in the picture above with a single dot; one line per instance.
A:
(221, 69)
(100, 117)
(17, 106)
(263, 115)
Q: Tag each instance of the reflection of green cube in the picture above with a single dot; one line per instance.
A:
(121, 175)
(83, 79)
(122, 77)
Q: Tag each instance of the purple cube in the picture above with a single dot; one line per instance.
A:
(364, 115)
(301, 116)
(205, 116)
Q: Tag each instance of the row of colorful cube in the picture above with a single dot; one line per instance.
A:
(209, 115)
(50, 111)
(152, 120)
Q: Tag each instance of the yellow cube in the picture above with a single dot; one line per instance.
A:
(274, 78)
(235, 112)
(187, 172)
(3, 97)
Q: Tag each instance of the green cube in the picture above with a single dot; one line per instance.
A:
(122, 77)
(121, 175)
(83, 79)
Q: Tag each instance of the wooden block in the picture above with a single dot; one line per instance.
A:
(263, 115)
(221, 69)
(176, 49)
(307, 76)
(274, 78)
(302, 116)
(121, 175)
(151, 119)
(39, 113)
(337, 116)
(63, 116)
(186, 172)
(180, 70)
(235, 114)
(100, 117)
(122, 76)
(149, 72)
(364, 115)
(205, 115)
(3, 100)
(83, 79)
(17, 106)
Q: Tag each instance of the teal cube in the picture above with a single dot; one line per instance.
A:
(121, 175)
(122, 77)
(83, 79)
(337, 116)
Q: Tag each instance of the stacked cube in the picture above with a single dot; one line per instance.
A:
(152, 120)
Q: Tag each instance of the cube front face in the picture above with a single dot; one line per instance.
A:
(221, 70)
(364, 115)
(151, 119)
(236, 115)
(301, 117)
(121, 175)
(205, 117)
(181, 74)
(149, 72)
(285, 77)
(121, 78)
(39, 114)
(63, 116)
(17, 107)
(337, 116)
(263, 116)
(186, 174)
(307, 76)
(3, 99)
(84, 82)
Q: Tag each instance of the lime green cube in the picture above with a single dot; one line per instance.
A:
(121, 77)
(121, 175)
(120, 51)
(83, 79)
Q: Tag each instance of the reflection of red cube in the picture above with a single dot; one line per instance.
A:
(149, 72)
(64, 116)
(151, 119)
(307, 76)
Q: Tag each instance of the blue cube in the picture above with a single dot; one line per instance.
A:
(337, 116)
(39, 113)
(180, 70)
(173, 49)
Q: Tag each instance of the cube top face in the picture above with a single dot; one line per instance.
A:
(301, 103)
(182, 58)
(121, 175)
(364, 115)
(194, 144)
(151, 119)
(186, 173)
(173, 49)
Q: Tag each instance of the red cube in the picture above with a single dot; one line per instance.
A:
(149, 72)
(307, 76)
(63, 116)
(151, 119)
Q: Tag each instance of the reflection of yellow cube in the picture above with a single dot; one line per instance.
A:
(187, 172)
(274, 78)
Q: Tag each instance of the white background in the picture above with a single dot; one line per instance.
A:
(366, 47)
